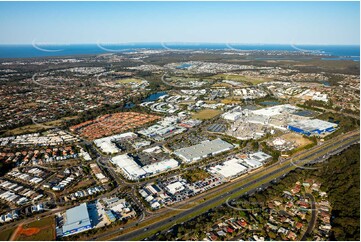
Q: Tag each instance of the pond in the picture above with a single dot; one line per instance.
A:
(269, 103)
(129, 105)
(154, 96)
(326, 83)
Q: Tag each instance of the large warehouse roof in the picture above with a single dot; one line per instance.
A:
(129, 166)
(203, 149)
(260, 156)
(134, 171)
(276, 110)
(312, 124)
(76, 218)
(161, 166)
(229, 168)
(106, 144)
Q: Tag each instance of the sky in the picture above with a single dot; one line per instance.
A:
(323, 23)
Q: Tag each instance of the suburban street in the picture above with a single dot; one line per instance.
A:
(313, 216)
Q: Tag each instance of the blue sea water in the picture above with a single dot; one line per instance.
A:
(336, 52)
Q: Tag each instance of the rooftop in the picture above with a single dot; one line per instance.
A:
(203, 149)
(276, 110)
(312, 124)
(76, 217)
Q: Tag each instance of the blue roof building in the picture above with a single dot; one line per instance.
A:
(76, 220)
(312, 127)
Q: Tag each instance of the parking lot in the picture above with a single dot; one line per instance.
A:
(97, 214)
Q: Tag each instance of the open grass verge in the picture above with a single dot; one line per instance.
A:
(6, 234)
(129, 80)
(33, 128)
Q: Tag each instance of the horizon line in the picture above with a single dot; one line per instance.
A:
(173, 43)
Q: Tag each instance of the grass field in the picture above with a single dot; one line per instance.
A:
(230, 101)
(226, 85)
(183, 79)
(207, 114)
(31, 104)
(129, 80)
(80, 185)
(241, 78)
(6, 234)
(43, 229)
(195, 175)
(33, 128)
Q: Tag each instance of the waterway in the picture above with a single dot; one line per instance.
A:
(154, 96)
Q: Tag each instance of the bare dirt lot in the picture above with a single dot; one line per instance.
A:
(298, 139)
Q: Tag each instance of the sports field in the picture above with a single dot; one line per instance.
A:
(43, 229)
(207, 114)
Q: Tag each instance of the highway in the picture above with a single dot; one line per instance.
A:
(238, 188)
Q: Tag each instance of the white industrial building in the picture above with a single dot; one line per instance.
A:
(276, 110)
(175, 187)
(239, 165)
(106, 144)
(160, 166)
(253, 163)
(260, 156)
(203, 150)
(160, 132)
(129, 167)
(307, 94)
(133, 171)
(229, 169)
(233, 114)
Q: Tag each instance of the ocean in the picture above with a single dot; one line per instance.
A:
(333, 52)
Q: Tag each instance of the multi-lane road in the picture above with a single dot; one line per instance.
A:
(260, 179)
